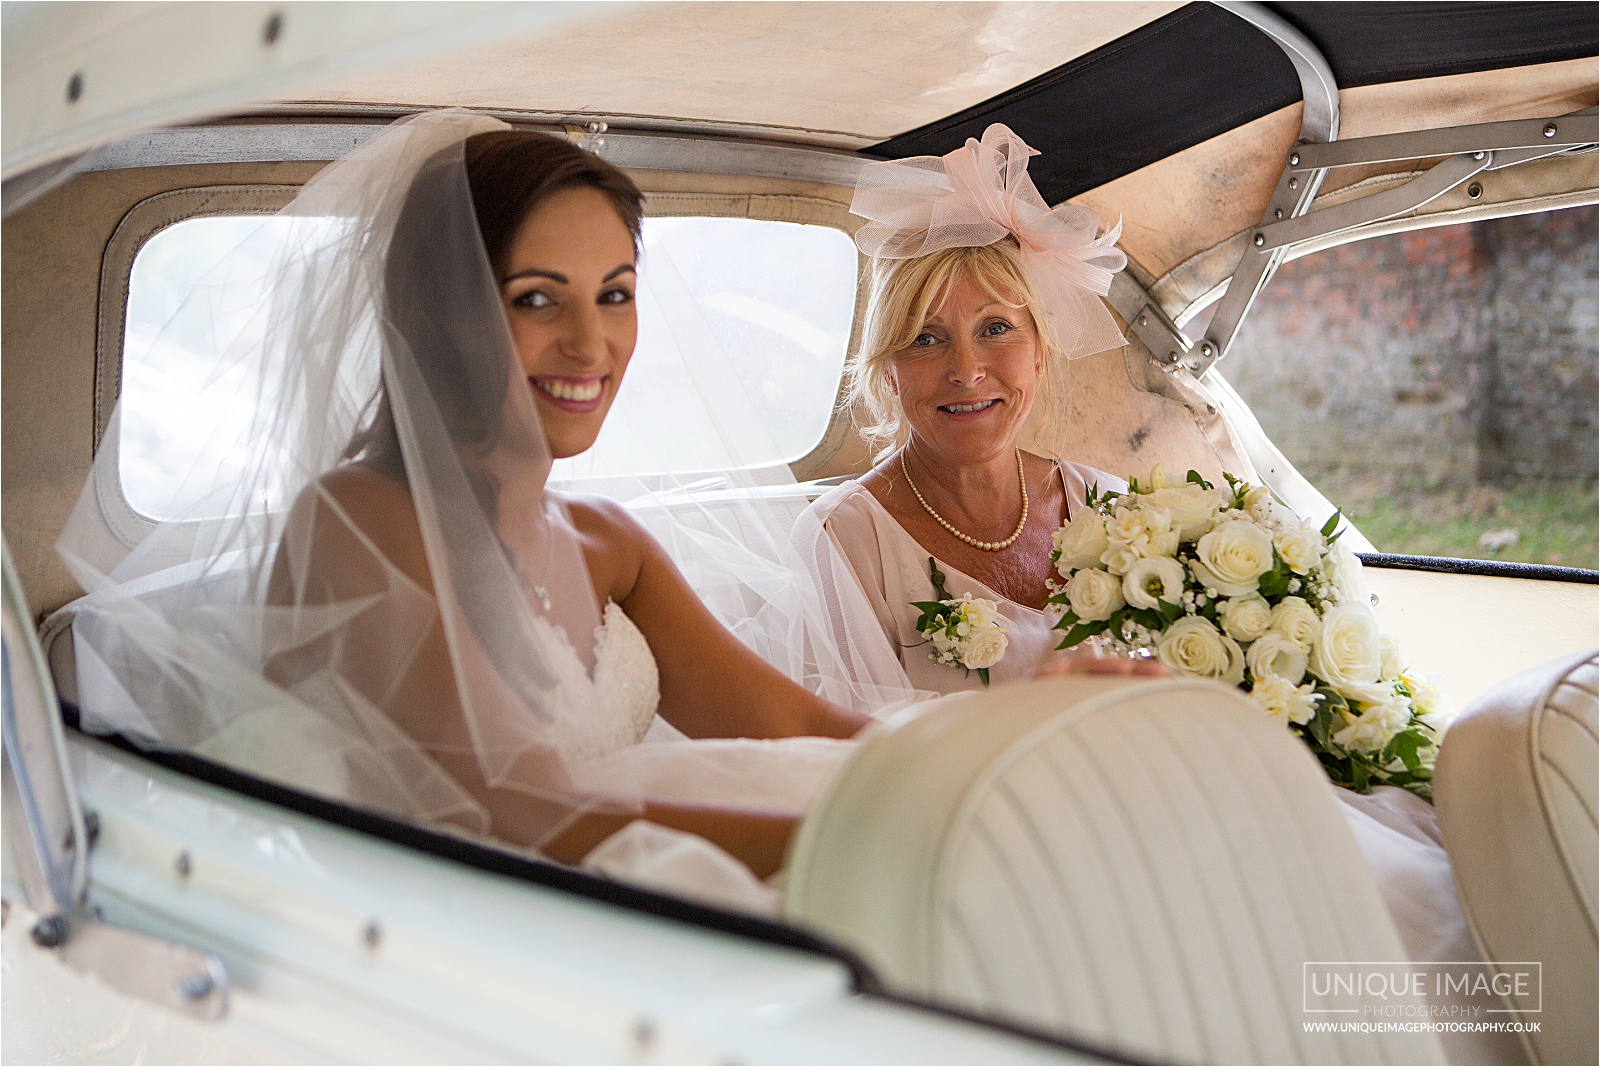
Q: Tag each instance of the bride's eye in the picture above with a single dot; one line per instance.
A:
(616, 296)
(997, 328)
(533, 299)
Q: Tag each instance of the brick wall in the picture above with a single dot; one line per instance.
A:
(1463, 354)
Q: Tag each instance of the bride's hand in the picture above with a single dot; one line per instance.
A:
(1092, 661)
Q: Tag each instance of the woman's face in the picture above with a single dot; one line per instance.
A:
(967, 380)
(568, 289)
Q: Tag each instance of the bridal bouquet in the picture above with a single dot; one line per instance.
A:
(1225, 584)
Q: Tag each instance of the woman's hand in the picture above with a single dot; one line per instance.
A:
(1093, 661)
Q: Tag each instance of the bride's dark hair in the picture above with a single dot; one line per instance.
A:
(461, 349)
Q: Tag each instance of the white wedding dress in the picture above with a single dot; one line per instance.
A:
(625, 746)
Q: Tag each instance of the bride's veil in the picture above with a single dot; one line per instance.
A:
(281, 623)
(278, 621)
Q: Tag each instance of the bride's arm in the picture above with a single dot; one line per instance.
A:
(712, 685)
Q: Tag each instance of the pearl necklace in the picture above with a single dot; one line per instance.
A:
(987, 546)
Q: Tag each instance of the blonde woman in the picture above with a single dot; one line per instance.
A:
(978, 293)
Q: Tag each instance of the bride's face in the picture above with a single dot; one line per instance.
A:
(967, 380)
(568, 290)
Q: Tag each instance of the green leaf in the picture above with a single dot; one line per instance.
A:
(1066, 621)
(935, 607)
(1149, 618)
(1169, 611)
(1194, 476)
(1331, 525)
(1081, 633)
(983, 675)
(1405, 745)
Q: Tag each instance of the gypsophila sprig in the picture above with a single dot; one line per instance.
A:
(966, 632)
(1228, 583)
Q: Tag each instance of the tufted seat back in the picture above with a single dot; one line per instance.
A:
(1516, 792)
(1148, 865)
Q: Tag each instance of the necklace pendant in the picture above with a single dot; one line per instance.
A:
(543, 596)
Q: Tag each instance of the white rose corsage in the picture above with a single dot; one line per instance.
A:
(964, 632)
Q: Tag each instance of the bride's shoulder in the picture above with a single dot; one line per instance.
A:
(353, 510)
(606, 521)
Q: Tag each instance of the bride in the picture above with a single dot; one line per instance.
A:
(425, 629)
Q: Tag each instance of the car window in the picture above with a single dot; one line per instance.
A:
(1440, 385)
(732, 312)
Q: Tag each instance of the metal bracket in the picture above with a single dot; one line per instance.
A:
(1169, 347)
(1319, 125)
(51, 841)
(1286, 222)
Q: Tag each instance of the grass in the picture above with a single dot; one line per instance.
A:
(1555, 523)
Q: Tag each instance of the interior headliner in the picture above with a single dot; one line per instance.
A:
(841, 74)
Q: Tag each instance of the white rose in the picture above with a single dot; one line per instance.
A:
(1390, 665)
(1343, 571)
(1193, 646)
(1297, 620)
(1348, 653)
(985, 649)
(1233, 557)
(1283, 701)
(1245, 618)
(1299, 547)
(1276, 656)
(1192, 507)
(1153, 579)
(1093, 595)
(1159, 543)
(1081, 541)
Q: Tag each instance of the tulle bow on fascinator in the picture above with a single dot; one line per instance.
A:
(980, 194)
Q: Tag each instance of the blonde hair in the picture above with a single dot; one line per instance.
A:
(902, 292)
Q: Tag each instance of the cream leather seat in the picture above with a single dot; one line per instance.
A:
(1516, 793)
(1144, 864)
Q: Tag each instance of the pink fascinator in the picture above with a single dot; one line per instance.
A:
(979, 194)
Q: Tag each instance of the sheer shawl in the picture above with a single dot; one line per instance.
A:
(271, 628)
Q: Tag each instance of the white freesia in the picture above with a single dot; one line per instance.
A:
(1193, 646)
(1297, 620)
(1390, 664)
(1120, 557)
(1348, 652)
(1274, 655)
(1284, 701)
(1431, 703)
(1245, 618)
(1258, 502)
(1342, 570)
(1153, 579)
(1081, 542)
(1093, 595)
(1158, 479)
(1232, 557)
(1375, 727)
(1300, 548)
(1127, 525)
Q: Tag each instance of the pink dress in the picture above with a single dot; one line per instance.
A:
(891, 568)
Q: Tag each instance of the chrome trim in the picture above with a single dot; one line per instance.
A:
(300, 142)
(1320, 122)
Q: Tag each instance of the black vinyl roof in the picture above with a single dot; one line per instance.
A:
(1201, 71)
